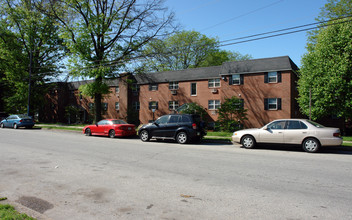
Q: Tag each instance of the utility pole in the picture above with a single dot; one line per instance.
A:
(310, 103)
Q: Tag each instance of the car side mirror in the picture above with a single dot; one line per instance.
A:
(265, 128)
(156, 123)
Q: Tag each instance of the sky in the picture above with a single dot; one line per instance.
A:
(230, 19)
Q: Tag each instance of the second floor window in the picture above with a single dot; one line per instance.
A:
(173, 85)
(236, 79)
(117, 106)
(272, 77)
(135, 87)
(173, 105)
(153, 87)
(214, 83)
(117, 89)
(193, 89)
(213, 104)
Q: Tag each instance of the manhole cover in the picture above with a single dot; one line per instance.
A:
(34, 203)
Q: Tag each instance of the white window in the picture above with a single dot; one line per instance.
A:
(173, 85)
(272, 104)
(117, 106)
(153, 87)
(213, 104)
(105, 106)
(213, 83)
(236, 79)
(173, 105)
(135, 87)
(193, 89)
(136, 106)
(117, 89)
(153, 105)
(272, 77)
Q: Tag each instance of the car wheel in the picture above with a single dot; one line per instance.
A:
(111, 133)
(248, 142)
(144, 135)
(2, 125)
(88, 132)
(182, 137)
(15, 126)
(311, 145)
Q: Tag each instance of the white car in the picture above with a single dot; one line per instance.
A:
(309, 134)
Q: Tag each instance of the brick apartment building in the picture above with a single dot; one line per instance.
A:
(266, 86)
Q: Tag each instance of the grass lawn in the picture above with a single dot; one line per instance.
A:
(219, 134)
(59, 128)
(9, 212)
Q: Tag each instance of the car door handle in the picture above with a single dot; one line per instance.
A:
(279, 132)
(304, 132)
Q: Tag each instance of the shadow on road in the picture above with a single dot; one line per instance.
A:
(296, 148)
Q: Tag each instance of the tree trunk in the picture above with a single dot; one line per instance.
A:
(97, 100)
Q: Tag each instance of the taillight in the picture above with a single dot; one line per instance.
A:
(21, 120)
(337, 135)
(194, 126)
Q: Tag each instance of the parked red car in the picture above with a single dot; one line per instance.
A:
(110, 127)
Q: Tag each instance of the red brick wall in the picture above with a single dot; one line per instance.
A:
(253, 91)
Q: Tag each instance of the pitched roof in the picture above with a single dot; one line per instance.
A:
(75, 85)
(258, 65)
(179, 75)
(239, 67)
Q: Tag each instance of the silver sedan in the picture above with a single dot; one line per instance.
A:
(309, 134)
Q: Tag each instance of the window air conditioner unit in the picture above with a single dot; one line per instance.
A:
(173, 92)
(214, 90)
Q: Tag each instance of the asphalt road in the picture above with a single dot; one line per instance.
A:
(66, 175)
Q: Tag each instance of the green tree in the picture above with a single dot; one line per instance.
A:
(30, 50)
(183, 50)
(326, 72)
(333, 9)
(104, 35)
(232, 114)
(194, 108)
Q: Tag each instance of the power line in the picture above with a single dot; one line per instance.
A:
(285, 29)
(242, 15)
(116, 63)
(277, 35)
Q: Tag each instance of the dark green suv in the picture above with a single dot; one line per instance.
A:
(182, 128)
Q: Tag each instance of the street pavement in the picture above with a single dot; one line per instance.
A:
(66, 175)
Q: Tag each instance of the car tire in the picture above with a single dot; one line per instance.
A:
(311, 145)
(182, 137)
(2, 125)
(88, 132)
(144, 136)
(111, 133)
(15, 126)
(248, 142)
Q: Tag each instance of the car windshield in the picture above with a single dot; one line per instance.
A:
(116, 122)
(315, 124)
(24, 117)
